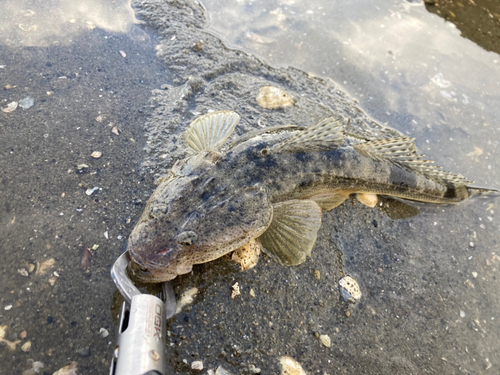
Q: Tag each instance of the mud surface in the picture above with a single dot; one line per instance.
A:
(45, 212)
(429, 282)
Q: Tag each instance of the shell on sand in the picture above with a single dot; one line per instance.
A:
(271, 97)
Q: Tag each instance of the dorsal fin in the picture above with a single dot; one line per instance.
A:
(403, 152)
(325, 135)
(270, 130)
(210, 131)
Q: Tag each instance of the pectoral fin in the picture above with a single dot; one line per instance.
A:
(210, 131)
(292, 233)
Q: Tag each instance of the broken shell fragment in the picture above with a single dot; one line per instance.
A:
(45, 266)
(222, 371)
(290, 366)
(10, 344)
(115, 130)
(70, 369)
(96, 154)
(26, 346)
(349, 289)
(91, 191)
(236, 290)
(271, 97)
(247, 256)
(10, 107)
(186, 298)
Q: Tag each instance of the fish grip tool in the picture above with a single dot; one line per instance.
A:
(141, 342)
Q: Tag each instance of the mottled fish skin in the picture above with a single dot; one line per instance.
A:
(216, 201)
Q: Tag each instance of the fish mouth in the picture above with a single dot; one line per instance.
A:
(144, 274)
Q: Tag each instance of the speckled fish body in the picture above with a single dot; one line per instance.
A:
(272, 186)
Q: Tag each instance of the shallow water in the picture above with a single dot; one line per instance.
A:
(407, 68)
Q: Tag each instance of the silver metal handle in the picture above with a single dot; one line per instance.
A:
(141, 338)
(141, 333)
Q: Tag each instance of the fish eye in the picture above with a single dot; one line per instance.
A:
(187, 238)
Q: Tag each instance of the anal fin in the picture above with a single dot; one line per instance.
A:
(293, 231)
(328, 201)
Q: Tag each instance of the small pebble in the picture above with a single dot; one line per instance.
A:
(474, 274)
(23, 272)
(23, 335)
(83, 352)
(8, 307)
(123, 54)
(197, 365)
(317, 275)
(86, 258)
(252, 293)
(115, 130)
(462, 314)
(91, 191)
(469, 284)
(30, 267)
(96, 154)
(325, 340)
(347, 313)
(104, 332)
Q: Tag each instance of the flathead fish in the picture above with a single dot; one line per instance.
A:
(271, 186)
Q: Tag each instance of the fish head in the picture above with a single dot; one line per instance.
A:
(195, 218)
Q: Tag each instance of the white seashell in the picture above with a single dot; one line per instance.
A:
(290, 366)
(271, 97)
(349, 289)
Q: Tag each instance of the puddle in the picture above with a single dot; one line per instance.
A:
(60, 22)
